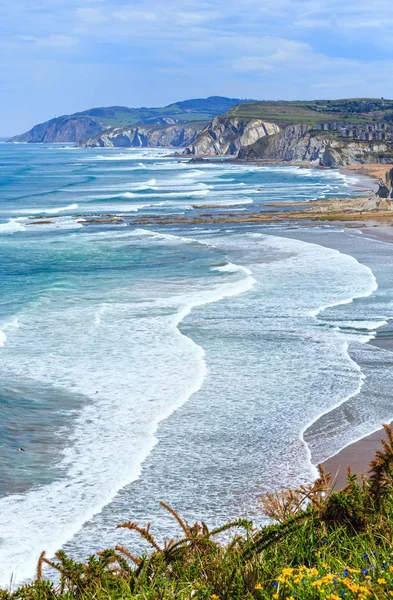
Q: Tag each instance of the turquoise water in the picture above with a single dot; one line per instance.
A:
(183, 364)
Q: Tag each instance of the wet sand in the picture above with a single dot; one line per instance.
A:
(358, 455)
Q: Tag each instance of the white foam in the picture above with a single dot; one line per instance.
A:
(116, 430)
(12, 226)
(5, 327)
(55, 210)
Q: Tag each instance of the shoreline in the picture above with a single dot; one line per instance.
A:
(351, 212)
(357, 455)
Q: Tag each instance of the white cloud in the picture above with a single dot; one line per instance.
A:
(52, 41)
(129, 14)
(90, 15)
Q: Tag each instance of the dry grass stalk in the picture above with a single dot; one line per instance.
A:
(279, 506)
(124, 551)
(144, 532)
(381, 467)
(178, 518)
(39, 565)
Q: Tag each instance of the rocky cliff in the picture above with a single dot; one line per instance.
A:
(227, 136)
(303, 143)
(255, 139)
(385, 188)
(62, 129)
(147, 136)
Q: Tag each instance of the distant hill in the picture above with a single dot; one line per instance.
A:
(81, 125)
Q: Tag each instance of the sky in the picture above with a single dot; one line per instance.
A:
(61, 56)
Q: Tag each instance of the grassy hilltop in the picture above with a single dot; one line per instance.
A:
(324, 544)
(312, 112)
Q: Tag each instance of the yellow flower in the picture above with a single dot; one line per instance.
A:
(334, 597)
(390, 593)
(381, 581)
(275, 596)
(287, 572)
(290, 598)
(325, 565)
(214, 597)
(258, 586)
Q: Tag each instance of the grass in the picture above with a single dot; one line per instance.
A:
(313, 112)
(321, 544)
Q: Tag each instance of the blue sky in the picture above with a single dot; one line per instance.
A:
(61, 56)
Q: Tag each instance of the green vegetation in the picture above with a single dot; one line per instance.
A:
(360, 110)
(203, 109)
(324, 544)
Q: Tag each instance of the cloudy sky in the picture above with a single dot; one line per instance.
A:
(61, 56)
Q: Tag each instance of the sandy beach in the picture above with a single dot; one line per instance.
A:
(358, 455)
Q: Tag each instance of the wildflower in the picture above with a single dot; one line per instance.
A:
(375, 554)
(274, 584)
(365, 555)
(275, 596)
(381, 581)
(325, 565)
(365, 571)
(258, 586)
(324, 540)
(290, 598)
(334, 597)
(346, 573)
(384, 565)
(214, 597)
(390, 593)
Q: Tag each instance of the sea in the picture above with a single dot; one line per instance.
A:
(197, 364)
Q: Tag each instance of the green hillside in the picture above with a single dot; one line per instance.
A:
(312, 112)
(199, 109)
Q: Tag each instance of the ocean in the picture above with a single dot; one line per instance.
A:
(197, 365)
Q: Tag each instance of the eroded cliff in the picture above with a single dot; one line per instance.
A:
(303, 143)
(149, 136)
(227, 136)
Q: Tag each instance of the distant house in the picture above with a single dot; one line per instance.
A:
(366, 132)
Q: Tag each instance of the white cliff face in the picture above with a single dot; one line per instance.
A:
(226, 136)
(144, 136)
(301, 143)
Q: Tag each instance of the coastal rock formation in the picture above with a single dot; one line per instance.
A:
(384, 195)
(226, 136)
(385, 189)
(63, 129)
(147, 136)
(303, 143)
